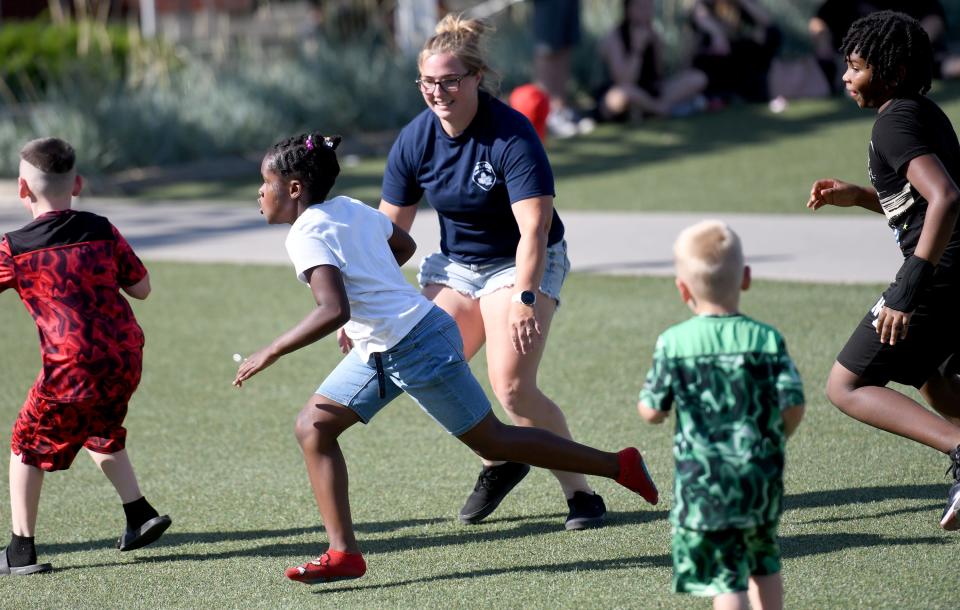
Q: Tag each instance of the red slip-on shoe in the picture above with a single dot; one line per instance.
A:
(634, 476)
(331, 566)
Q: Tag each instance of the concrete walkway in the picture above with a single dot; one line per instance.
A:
(821, 247)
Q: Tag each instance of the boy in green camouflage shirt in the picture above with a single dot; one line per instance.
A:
(738, 396)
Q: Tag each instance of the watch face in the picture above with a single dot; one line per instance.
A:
(527, 297)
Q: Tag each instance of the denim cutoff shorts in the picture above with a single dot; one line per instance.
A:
(476, 281)
(428, 364)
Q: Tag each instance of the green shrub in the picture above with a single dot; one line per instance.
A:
(205, 109)
(34, 54)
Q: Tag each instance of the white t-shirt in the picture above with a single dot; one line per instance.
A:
(352, 237)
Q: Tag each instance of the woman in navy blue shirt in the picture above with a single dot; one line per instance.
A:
(502, 256)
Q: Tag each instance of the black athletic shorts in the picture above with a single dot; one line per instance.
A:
(933, 337)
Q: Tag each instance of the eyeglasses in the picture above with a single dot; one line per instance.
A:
(450, 84)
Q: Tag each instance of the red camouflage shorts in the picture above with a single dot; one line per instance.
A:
(48, 433)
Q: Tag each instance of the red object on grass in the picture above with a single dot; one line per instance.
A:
(634, 475)
(329, 567)
(532, 102)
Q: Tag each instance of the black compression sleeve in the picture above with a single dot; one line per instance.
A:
(912, 279)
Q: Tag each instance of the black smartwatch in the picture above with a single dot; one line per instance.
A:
(527, 297)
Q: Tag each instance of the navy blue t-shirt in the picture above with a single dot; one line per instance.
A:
(472, 180)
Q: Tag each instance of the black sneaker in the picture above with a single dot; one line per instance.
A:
(493, 485)
(949, 520)
(586, 510)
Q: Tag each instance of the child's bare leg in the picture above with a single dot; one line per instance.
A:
(942, 392)
(766, 592)
(119, 471)
(144, 524)
(25, 485)
(318, 426)
(731, 601)
(889, 410)
(493, 440)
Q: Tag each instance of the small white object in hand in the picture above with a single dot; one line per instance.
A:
(237, 358)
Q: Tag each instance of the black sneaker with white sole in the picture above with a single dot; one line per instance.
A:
(950, 520)
(493, 485)
(586, 510)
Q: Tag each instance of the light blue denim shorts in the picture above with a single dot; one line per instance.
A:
(476, 281)
(428, 364)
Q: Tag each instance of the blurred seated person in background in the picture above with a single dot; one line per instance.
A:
(632, 53)
(834, 18)
(736, 43)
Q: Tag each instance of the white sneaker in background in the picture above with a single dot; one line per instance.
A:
(585, 125)
(779, 104)
(565, 123)
(560, 124)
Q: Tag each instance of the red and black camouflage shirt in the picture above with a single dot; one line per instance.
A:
(68, 267)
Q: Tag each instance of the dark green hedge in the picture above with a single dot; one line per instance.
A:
(34, 54)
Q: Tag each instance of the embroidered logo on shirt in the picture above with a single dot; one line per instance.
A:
(483, 175)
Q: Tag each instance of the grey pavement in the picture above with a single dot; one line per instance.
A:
(820, 247)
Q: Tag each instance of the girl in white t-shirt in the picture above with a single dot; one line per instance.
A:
(395, 340)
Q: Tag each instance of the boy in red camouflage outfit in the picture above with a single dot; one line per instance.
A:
(68, 268)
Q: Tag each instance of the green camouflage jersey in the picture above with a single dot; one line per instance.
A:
(729, 376)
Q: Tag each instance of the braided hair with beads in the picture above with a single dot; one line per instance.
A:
(310, 158)
(898, 49)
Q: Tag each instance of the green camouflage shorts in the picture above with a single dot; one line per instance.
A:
(711, 563)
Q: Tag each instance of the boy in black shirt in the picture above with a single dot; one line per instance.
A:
(914, 167)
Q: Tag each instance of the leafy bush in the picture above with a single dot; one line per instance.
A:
(204, 109)
(35, 53)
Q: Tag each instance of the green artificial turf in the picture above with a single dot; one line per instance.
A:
(742, 159)
(859, 530)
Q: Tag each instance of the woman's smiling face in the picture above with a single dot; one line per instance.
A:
(453, 107)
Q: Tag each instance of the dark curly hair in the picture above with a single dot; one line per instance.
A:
(310, 158)
(897, 47)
